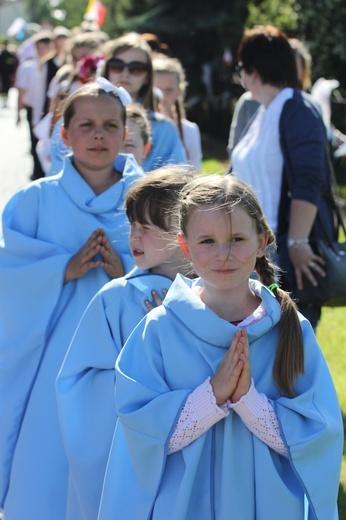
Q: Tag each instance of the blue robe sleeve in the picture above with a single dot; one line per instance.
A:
(166, 145)
(31, 279)
(85, 395)
(85, 384)
(148, 410)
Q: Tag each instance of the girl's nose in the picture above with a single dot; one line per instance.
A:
(223, 252)
(98, 133)
(134, 233)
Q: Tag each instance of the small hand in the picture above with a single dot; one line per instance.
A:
(306, 263)
(244, 381)
(81, 262)
(112, 262)
(157, 299)
(226, 377)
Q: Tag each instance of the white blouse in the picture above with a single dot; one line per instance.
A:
(257, 159)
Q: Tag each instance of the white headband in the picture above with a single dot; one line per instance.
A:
(107, 86)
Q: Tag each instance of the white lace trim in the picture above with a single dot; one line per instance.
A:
(258, 415)
(201, 412)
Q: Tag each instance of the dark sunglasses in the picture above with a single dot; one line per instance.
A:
(136, 68)
(238, 69)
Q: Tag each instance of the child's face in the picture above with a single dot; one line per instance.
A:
(134, 142)
(132, 82)
(168, 83)
(151, 246)
(223, 251)
(95, 133)
(80, 52)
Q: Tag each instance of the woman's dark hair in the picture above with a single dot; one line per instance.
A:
(267, 50)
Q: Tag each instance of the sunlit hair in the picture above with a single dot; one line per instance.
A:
(267, 50)
(139, 115)
(133, 40)
(90, 90)
(90, 40)
(302, 54)
(154, 198)
(226, 192)
(164, 64)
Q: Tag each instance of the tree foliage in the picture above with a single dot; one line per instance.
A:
(281, 14)
(323, 22)
(199, 31)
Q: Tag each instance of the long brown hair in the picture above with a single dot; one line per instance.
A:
(165, 64)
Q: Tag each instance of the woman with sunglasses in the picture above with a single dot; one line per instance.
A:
(128, 64)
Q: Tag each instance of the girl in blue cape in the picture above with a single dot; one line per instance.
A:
(128, 63)
(64, 237)
(226, 406)
(85, 385)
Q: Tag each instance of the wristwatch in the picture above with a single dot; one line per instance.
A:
(297, 242)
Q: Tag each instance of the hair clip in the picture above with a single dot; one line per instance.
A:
(122, 93)
(272, 286)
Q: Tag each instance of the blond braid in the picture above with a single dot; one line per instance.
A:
(265, 270)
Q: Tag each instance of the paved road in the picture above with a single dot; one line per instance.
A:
(15, 159)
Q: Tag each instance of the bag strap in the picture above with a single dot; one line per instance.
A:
(340, 222)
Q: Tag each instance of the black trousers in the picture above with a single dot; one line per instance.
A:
(37, 171)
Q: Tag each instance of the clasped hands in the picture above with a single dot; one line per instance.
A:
(232, 378)
(82, 262)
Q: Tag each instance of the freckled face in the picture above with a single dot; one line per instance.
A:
(223, 250)
(95, 133)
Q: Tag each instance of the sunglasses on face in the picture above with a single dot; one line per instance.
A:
(136, 68)
(238, 69)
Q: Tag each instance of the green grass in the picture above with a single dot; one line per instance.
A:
(213, 166)
(331, 335)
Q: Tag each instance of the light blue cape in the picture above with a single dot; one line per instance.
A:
(166, 147)
(44, 225)
(227, 472)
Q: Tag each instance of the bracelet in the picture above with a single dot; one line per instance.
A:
(297, 242)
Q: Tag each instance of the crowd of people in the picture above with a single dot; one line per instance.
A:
(154, 363)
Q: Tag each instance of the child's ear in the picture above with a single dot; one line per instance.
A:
(184, 246)
(126, 131)
(64, 135)
(146, 150)
(263, 242)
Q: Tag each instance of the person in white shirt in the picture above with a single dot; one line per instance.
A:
(31, 79)
(169, 77)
